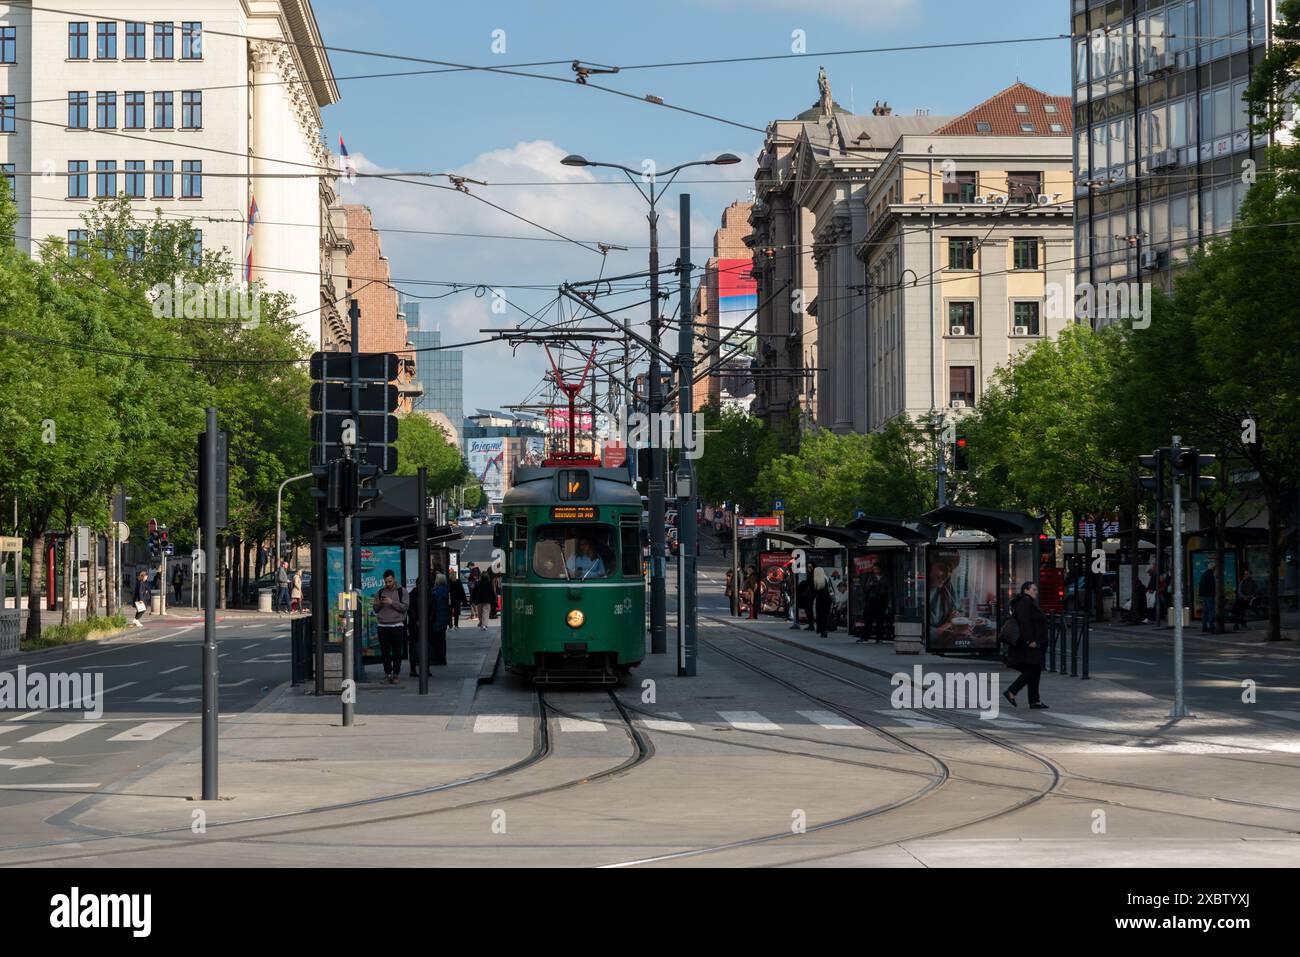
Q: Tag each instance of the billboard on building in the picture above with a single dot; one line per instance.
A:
(558, 420)
(487, 463)
(533, 452)
(737, 298)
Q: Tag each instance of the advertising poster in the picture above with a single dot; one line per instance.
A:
(774, 573)
(534, 452)
(866, 578)
(375, 559)
(1200, 562)
(961, 592)
(487, 463)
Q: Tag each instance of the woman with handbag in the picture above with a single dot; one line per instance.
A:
(141, 595)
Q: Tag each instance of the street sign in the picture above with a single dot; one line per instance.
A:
(370, 429)
(196, 561)
(859, 513)
(123, 531)
(169, 549)
(337, 366)
(153, 525)
(337, 397)
(779, 505)
(8, 544)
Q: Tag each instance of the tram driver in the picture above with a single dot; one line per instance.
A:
(585, 562)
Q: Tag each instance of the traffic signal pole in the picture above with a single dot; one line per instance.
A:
(355, 656)
(1180, 708)
(655, 487)
(209, 662)
(687, 531)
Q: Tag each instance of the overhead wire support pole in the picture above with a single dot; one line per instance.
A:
(686, 493)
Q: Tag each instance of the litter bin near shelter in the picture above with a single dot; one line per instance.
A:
(264, 599)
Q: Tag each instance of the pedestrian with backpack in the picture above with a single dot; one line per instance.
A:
(1025, 635)
(391, 605)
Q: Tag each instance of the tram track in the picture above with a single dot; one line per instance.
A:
(543, 747)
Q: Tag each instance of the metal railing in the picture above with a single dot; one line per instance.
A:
(11, 631)
(1068, 638)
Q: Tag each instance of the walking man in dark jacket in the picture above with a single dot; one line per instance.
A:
(1029, 653)
(391, 604)
(1205, 592)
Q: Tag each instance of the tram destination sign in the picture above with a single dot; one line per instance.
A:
(573, 513)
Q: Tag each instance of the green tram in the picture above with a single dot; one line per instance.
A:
(572, 586)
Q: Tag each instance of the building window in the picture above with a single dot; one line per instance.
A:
(78, 110)
(135, 179)
(961, 385)
(1024, 252)
(1026, 127)
(192, 110)
(8, 44)
(135, 245)
(79, 243)
(7, 113)
(105, 179)
(106, 41)
(1057, 128)
(961, 189)
(961, 252)
(134, 110)
(163, 37)
(77, 176)
(191, 179)
(136, 45)
(164, 174)
(163, 118)
(79, 40)
(982, 127)
(196, 248)
(1024, 187)
(191, 40)
(1025, 315)
(961, 315)
(1022, 108)
(105, 111)
(1050, 108)
(10, 170)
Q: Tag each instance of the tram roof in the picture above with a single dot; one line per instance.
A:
(534, 486)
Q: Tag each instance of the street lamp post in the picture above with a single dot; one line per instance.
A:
(657, 479)
(279, 494)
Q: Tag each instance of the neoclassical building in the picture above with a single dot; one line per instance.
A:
(194, 115)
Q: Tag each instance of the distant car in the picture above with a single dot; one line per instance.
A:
(496, 518)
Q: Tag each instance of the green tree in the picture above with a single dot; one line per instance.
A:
(736, 444)
(422, 443)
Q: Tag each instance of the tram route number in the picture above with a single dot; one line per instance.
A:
(573, 513)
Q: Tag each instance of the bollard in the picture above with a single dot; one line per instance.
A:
(1087, 638)
(1074, 647)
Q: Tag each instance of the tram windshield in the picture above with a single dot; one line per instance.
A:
(574, 552)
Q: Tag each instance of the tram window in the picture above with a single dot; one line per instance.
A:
(519, 549)
(574, 552)
(631, 549)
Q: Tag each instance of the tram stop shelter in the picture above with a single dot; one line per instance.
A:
(390, 538)
(887, 579)
(973, 573)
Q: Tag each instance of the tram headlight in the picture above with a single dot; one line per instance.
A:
(575, 618)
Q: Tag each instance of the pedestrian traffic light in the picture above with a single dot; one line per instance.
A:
(960, 461)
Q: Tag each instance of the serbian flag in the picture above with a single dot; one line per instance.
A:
(348, 168)
(248, 266)
(252, 217)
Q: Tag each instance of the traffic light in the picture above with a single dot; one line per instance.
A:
(1191, 463)
(1154, 462)
(153, 543)
(342, 495)
(960, 462)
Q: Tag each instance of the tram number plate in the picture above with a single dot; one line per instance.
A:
(573, 513)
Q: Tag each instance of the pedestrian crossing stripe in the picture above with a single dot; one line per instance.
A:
(829, 720)
(63, 732)
(496, 724)
(748, 721)
(148, 731)
(667, 721)
(583, 722)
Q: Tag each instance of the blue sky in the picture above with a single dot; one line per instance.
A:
(512, 129)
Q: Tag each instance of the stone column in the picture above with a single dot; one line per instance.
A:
(845, 314)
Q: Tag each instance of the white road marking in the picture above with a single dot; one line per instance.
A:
(1005, 718)
(1289, 715)
(246, 647)
(63, 732)
(496, 724)
(829, 720)
(3, 730)
(748, 721)
(910, 720)
(46, 787)
(586, 721)
(1133, 661)
(24, 717)
(659, 724)
(1088, 721)
(173, 670)
(147, 731)
(17, 763)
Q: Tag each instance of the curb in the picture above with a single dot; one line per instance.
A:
(487, 668)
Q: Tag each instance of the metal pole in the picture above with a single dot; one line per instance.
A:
(941, 462)
(1180, 708)
(655, 489)
(210, 678)
(279, 494)
(735, 555)
(421, 582)
(349, 689)
(687, 531)
(355, 656)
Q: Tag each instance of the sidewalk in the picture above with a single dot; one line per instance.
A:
(291, 752)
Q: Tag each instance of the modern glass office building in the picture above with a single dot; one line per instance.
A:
(1162, 147)
(440, 373)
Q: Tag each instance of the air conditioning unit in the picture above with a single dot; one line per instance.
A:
(999, 200)
(1165, 159)
(1020, 330)
(1155, 258)
(956, 330)
(958, 403)
(980, 200)
(1162, 64)
(1044, 199)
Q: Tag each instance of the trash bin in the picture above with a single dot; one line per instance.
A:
(155, 604)
(265, 598)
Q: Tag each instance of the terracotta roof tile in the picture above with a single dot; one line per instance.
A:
(998, 112)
